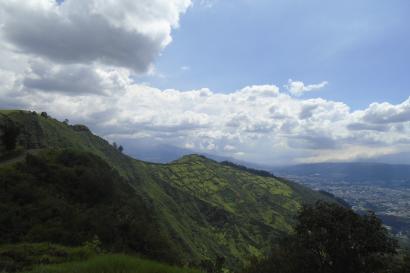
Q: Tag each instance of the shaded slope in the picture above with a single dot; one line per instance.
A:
(207, 208)
(113, 264)
(71, 197)
(38, 132)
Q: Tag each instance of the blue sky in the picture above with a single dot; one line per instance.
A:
(360, 47)
(272, 82)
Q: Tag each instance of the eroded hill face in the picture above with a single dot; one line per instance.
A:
(208, 209)
(234, 212)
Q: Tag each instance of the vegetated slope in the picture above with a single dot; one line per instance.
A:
(38, 132)
(71, 197)
(112, 263)
(208, 209)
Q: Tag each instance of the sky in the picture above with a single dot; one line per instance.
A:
(271, 82)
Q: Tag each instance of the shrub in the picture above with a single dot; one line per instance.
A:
(11, 132)
(114, 264)
(18, 257)
(331, 239)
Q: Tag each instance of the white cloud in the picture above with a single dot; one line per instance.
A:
(298, 88)
(75, 78)
(127, 33)
(51, 62)
(206, 3)
(229, 148)
(259, 123)
(385, 113)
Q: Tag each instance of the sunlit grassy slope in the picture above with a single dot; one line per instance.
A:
(112, 264)
(208, 209)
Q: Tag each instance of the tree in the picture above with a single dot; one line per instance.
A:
(44, 114)
(120, 148)
(212, 267)
(11, 132)
(331, 239)
(404, 266)
(114, 144)
(66, 121)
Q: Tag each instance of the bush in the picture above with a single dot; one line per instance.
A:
(113, 264)
(331, 239)
(14, 258)
(11, 132)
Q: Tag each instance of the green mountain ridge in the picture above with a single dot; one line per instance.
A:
(206, 208)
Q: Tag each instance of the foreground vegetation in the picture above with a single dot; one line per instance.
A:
(331, 239)
(327, 239)
(70, 197)
(24, 256)
(112, 264)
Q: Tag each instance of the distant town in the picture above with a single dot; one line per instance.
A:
(390, 201)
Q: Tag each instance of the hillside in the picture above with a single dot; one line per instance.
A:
(206, 208)
(112, 263)
(71, 197)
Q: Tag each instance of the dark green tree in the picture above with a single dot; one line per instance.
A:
(212, 267)
(120, 148)
(11, 132)
(334, 239)
(331, 239)
(404, 265)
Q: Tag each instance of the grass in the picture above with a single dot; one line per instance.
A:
(112, 264)
(9, 111)
(19, 257)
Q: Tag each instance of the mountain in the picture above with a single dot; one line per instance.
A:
(205, 208)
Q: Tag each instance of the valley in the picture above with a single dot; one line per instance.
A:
(357, 184)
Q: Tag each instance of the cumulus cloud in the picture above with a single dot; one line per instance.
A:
(243, 123)
(78, 47)
(298, 88)
(78, 60)
(360, 126)
(127, 34)
(384, 113)
(74, 79)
